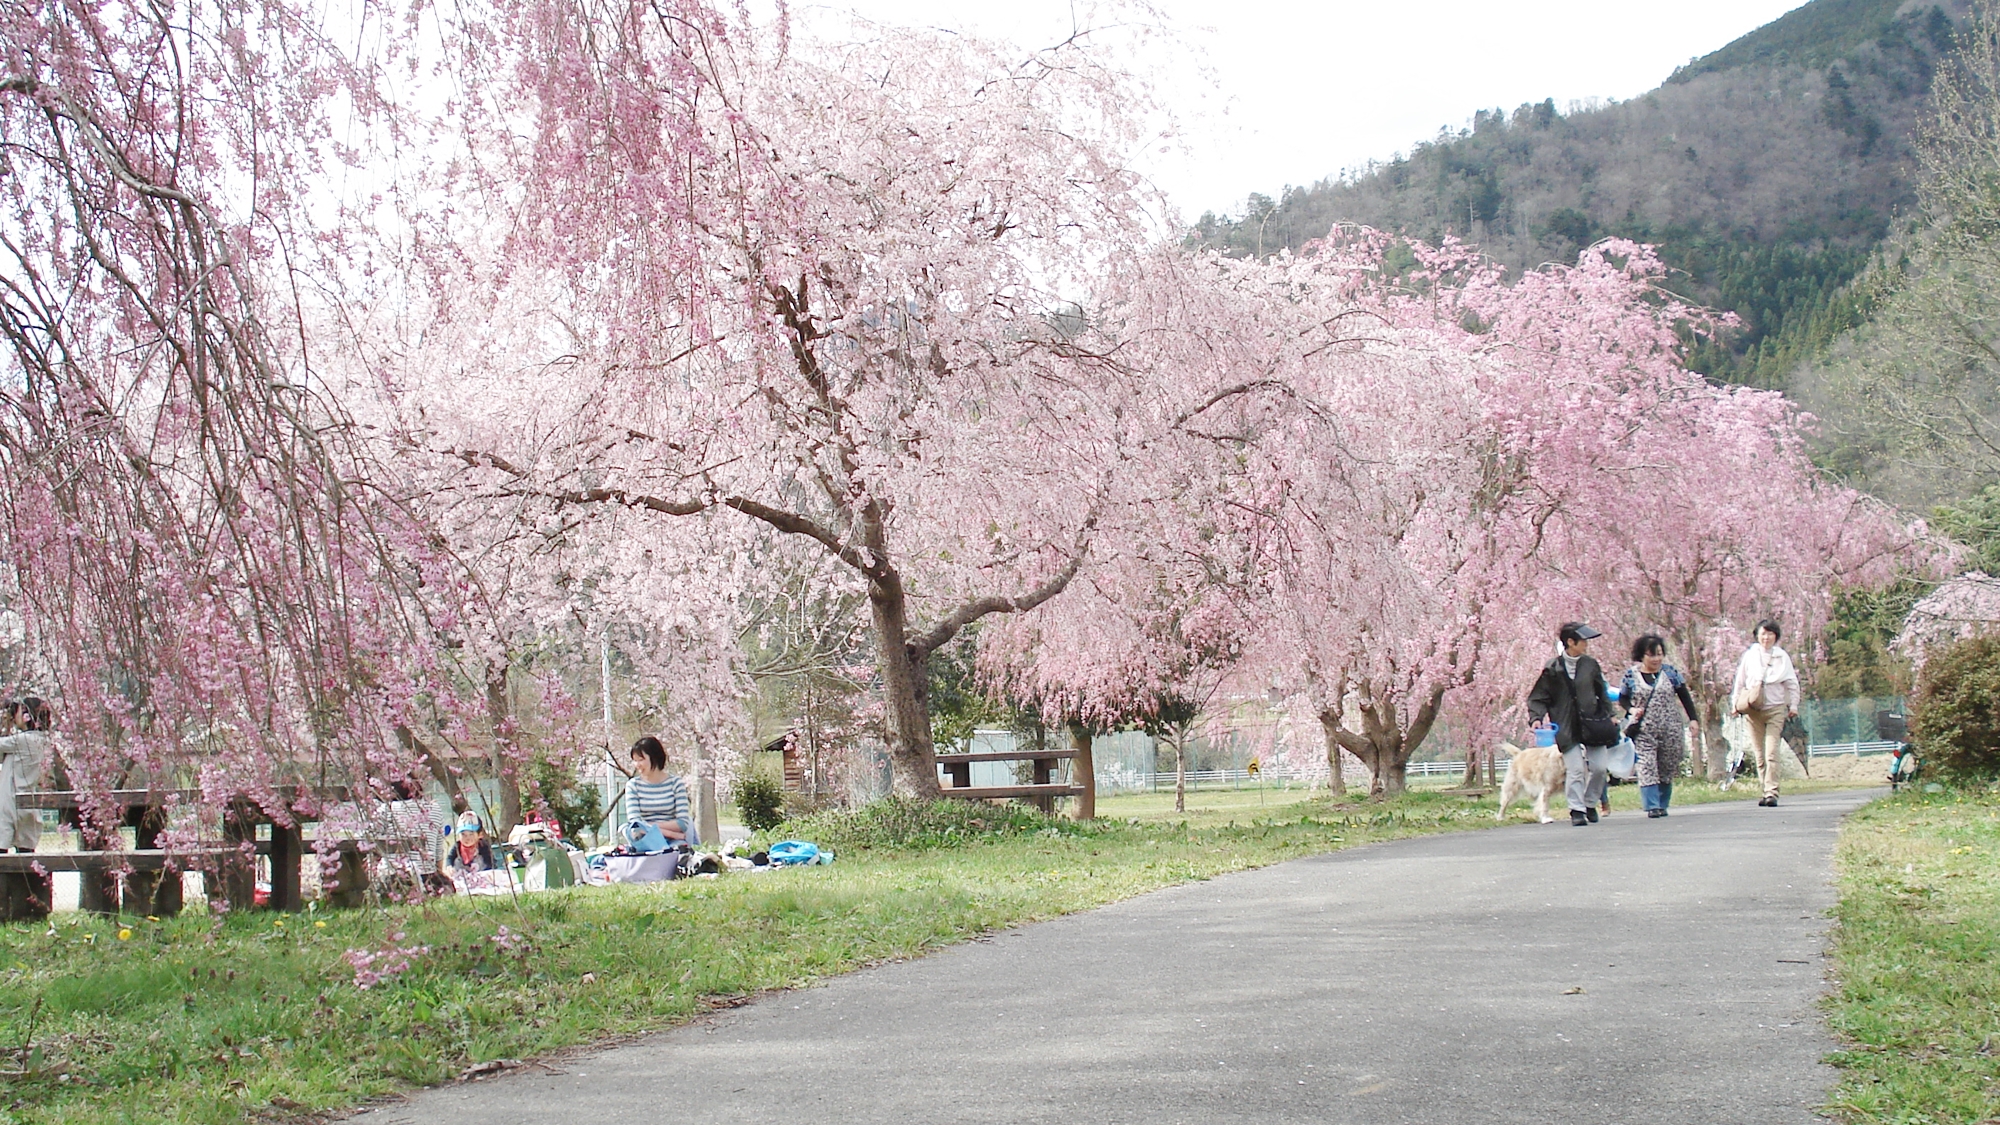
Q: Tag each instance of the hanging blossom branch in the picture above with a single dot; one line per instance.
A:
(215, 587)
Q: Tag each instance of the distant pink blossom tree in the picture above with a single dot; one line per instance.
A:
(1150, 639)
(1960, 608)
(1468, 456)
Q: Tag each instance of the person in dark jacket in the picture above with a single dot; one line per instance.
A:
(1570, 689)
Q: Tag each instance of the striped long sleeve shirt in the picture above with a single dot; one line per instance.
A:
(658, 801)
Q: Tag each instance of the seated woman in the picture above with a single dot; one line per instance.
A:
(657, 797)
(469, 853)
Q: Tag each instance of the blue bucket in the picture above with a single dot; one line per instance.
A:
(1545, 736)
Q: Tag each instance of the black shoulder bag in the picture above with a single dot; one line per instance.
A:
(1597, 730)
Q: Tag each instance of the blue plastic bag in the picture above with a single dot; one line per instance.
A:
(789, 853)
(643, 838)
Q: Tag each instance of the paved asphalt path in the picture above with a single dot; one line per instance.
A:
(1431, 981)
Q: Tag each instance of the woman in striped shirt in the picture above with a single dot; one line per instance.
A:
(657, 797)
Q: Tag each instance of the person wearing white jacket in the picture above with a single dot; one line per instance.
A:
(1766, 693)
(21, 758)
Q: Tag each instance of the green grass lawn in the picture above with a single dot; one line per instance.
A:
(1916, 998)
(195, 1019)
(258, 1016)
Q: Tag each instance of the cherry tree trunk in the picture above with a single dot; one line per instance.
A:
(1698, 746)
(905, 692)
(1711, 734)
(1083, 770)
(1391, 774)
(1387, 767)
(500, 710)
(1180, 774)
(1336, 781)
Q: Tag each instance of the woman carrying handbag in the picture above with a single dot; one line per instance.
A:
(1661, 709)
(1766, 693)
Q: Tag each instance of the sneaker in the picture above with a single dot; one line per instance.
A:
(1591, 815)
(1577, 820)
(1768, 803)
(1655, 814)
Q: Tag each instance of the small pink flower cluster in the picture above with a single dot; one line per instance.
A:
(393, 959)
(509, 941)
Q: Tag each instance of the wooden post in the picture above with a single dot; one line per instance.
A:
(287, 856)
(1083, 771)
(151, 893)
(350, 886)
(236, 873)
(25, 896)
(1044, 774)
(97, 891)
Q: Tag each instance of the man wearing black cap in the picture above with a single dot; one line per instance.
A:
(1572, 688)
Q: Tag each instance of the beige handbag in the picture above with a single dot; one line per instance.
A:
(1750, 694)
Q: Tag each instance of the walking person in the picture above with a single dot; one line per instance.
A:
(1661, 711)
(1571, 695)
(1766, 693)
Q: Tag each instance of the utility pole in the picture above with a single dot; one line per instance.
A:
(610, 757)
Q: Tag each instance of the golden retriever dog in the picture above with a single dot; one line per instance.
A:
(1538, 770)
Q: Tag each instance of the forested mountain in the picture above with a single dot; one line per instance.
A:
(1770, 171)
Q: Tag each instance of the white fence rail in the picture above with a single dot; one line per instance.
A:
(1126, 781)
(1853, 749)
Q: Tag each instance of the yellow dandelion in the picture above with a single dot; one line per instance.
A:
(124, 935)
(319, 925)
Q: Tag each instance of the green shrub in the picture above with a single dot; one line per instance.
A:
(761, 802)
(1955, 715)
(899, 822)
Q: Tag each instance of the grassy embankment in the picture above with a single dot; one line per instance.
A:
(254, 1016)
(1916, 998)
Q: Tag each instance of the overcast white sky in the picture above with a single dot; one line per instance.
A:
(1303, 90)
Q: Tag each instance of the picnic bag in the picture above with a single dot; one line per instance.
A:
(786, 853)
(643, 838)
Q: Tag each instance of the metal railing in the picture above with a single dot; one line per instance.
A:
(1852, 749)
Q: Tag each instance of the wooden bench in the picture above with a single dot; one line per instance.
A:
(144, 890)
(1043, 791)
(147, 881)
